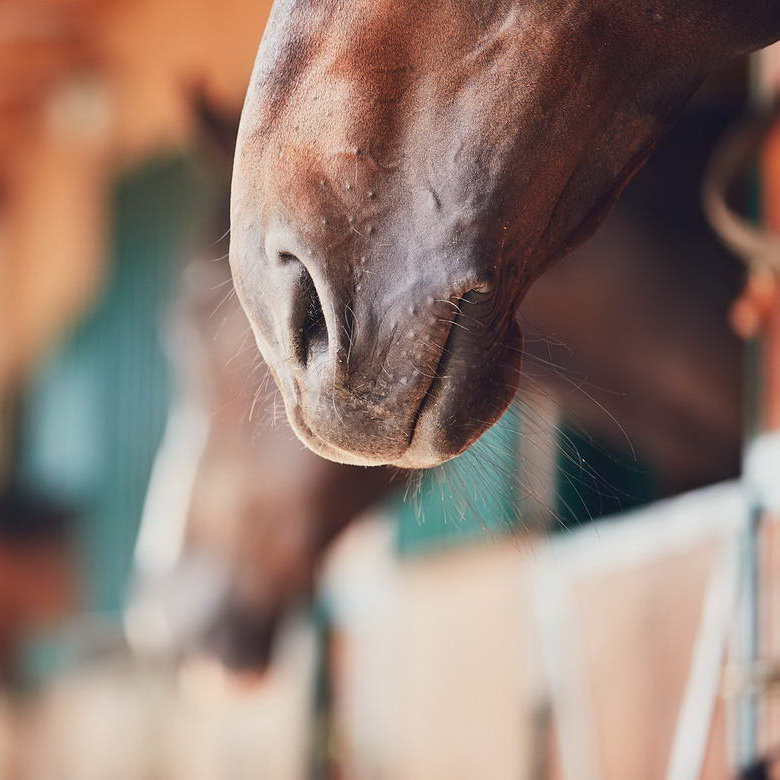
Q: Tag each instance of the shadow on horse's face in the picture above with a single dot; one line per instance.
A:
(404, 170)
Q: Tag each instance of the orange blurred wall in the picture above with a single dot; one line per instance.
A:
(88, 88)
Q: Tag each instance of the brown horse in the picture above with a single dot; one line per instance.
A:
(256, 509)
(406, 170)
(262, 506)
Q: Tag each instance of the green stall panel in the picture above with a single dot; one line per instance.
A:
(95, 415)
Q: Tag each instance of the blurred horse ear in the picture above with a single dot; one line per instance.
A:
(216, 126)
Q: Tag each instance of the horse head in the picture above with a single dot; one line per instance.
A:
(404, 172)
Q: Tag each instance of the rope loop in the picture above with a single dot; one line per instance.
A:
(733, 158)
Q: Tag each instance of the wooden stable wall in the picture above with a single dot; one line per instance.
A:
(87, 88)
(566, 659)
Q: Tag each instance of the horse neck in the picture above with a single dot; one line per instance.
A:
(714, 31)
(743, 25)
(696, 34)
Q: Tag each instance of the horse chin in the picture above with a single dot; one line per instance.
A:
(426, 448)
(425, 451)
(444, 425)
(319, 446)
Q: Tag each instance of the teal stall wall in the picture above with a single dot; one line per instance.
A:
(95, 415)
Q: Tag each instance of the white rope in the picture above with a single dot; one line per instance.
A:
(762, 471)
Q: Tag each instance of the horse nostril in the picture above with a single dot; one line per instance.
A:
(309, 331)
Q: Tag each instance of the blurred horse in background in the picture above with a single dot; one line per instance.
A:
(234, 494)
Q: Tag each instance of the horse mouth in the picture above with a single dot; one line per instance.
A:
(411, 458)
(473, 381)
(321, 446)
(450, 417)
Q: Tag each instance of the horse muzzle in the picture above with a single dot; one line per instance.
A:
(410, 378)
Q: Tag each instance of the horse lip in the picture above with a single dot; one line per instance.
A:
(403, 460)
(436, 381)
(408, 457)
(322, 447)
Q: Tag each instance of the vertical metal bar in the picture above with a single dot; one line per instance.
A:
(748, 639)
(765, 374)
